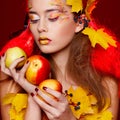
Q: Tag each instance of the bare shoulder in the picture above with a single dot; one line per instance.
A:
(111, 86)
(7, 85)
(110, 83)
(3, 76)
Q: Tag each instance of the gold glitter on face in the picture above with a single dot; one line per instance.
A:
(54, 15)
(61, 13)
(54, 21)
(64, 15)
(29, 4)
(57, 3)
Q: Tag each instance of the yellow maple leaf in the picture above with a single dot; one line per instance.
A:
(92, 99)
(77, 5)
(8, 98)
(16, 116)
(79, 95)
(104, 115)
(100, 37)
(20, 102)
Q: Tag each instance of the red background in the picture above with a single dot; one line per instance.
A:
(12, 17)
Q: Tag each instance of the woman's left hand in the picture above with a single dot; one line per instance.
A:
(56, 106)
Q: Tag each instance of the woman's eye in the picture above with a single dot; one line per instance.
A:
(53, 19)
(33, 21)
(34, 18)
(53, 16)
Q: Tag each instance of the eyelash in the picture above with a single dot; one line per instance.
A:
(53, 19)
(33, 21)
(50, 19)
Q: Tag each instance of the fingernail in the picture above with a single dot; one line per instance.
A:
(32, 94)
(36, 89)
(44, 88)
(3, 54)
(27, 61)
(22, 56)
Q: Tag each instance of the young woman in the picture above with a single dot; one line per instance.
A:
(58, 34)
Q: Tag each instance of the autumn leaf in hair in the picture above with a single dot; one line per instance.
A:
(99, 37)
(91, 4)
(77, 5)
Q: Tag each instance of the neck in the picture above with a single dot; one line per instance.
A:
(61, 59)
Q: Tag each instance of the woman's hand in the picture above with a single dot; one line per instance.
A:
(18, 75)
(56, 107)
(3, 67)
(33, 111)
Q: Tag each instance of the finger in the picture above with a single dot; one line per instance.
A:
(15, 63)
(24, 68)
(3, 67)
(50, 99)
(23, 81)
(58, 95)
(45, 106)
(12, 67)
(27, 86)
(13, 70)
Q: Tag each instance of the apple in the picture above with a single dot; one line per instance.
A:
(52, 84)
(14, 53)
(38, 70)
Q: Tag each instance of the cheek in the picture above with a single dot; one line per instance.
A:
(33, 29)
(66, 31)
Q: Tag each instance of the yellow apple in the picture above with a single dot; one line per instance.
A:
(38, 70)
(14, 53)
(52, 84)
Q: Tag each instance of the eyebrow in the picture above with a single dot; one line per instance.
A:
(47, 11)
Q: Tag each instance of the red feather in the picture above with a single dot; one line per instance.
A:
(107, 61)
(25, 41)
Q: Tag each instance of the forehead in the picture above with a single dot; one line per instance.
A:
(43, 4)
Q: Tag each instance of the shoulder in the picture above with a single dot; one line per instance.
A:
(110, 83)
(3, 76)
(111, 86)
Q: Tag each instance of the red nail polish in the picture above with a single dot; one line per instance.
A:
(3, 54)
(27, 61)
(32, 94)
(36, 89)
(22, 56)
(44, 88)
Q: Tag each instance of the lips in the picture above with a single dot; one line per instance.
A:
(44, 41)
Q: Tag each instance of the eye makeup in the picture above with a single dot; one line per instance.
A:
(33, 18)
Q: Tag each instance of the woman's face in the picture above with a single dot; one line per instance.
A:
(52, 24)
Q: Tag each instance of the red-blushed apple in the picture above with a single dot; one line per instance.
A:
(14, 53)
(38, 70)
(52, 84)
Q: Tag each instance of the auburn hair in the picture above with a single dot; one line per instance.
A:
(79, 68)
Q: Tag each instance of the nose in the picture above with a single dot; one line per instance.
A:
(42, 26)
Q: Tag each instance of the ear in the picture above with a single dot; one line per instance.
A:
(79, 27)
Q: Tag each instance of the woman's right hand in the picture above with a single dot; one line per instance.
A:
(33, 111)
(18, 75)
